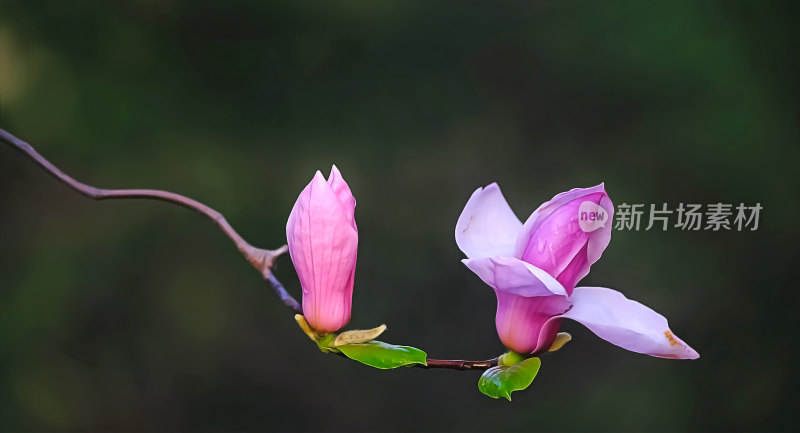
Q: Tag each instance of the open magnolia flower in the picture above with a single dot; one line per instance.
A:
(534, 267)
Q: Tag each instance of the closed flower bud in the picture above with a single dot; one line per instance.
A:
(323, 242)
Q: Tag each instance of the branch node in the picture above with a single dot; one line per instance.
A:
(264, 260)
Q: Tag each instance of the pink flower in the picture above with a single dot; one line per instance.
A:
(323, 241)
(534, 267)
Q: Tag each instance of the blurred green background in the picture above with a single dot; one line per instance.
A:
(141, 316)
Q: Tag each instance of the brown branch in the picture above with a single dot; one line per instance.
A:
(457, 364)
(261, 259)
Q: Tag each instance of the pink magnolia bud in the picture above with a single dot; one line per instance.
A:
(323, 242)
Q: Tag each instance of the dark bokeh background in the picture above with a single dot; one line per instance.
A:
(142, 316)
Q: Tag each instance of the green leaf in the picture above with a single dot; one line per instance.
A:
(501, 381)
(326, 343)
(383, 355)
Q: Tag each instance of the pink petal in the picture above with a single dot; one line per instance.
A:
(626, 323)
(528, 324)
(601, 237)
(487, 225)
(342, 191)
(553, 239)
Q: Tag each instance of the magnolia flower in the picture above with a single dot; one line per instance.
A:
(323, 241)
(533, 268)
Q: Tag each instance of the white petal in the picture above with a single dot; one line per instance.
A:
(515, 276)
(487, 225)
(626, 323)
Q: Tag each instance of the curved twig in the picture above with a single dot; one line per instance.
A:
(261, 259)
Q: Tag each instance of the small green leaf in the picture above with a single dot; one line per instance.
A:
(501, 381)
(383, 355)
(325, 343)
